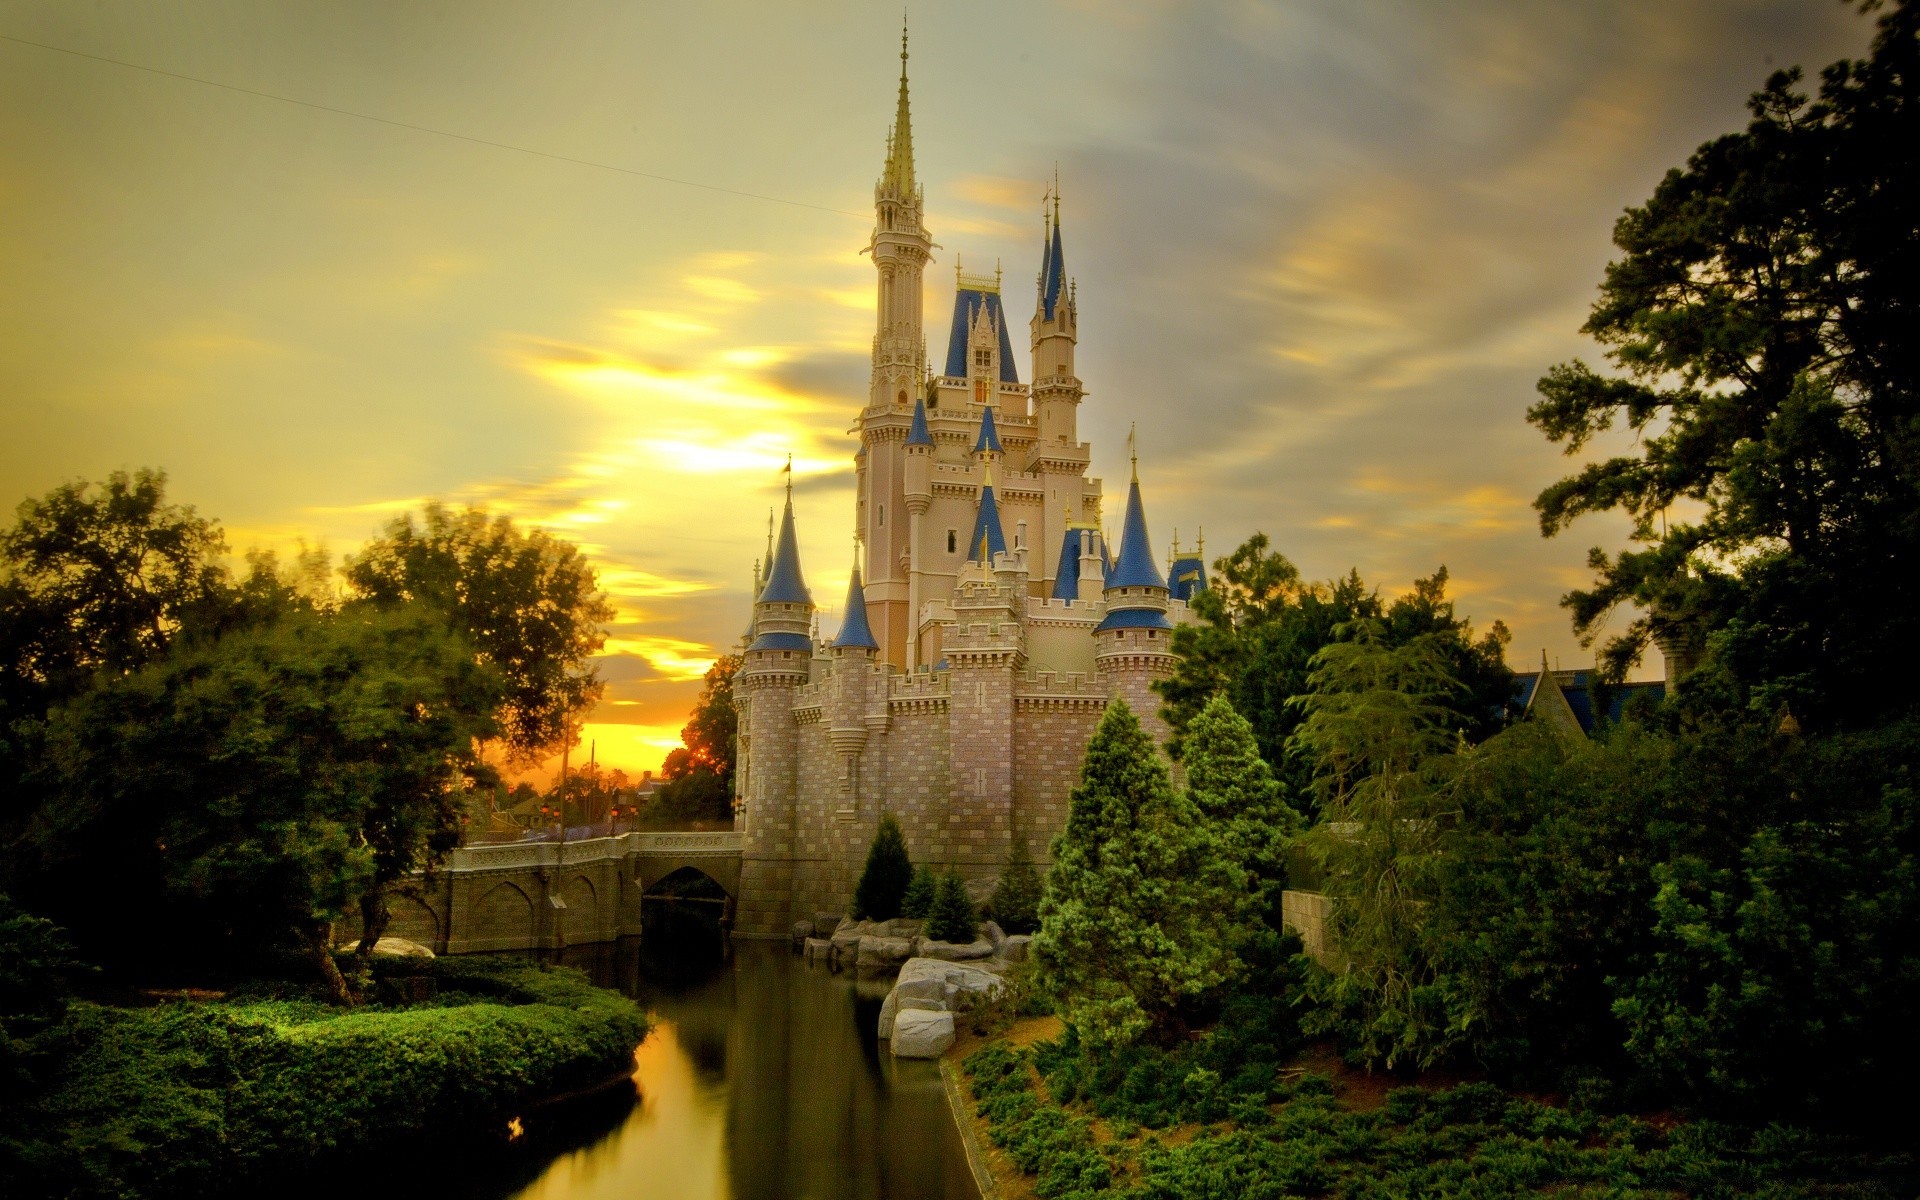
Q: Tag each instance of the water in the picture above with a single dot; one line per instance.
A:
(762, 1078)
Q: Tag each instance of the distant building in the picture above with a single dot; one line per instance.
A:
(992, 622)
(1575, 701)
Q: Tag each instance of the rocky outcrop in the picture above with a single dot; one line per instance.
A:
(1015, 949)
(932, 985)
(922, 1034)
(956, 951)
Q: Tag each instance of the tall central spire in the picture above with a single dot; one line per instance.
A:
(899, 173)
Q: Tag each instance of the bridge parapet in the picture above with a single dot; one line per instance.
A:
(522, 855)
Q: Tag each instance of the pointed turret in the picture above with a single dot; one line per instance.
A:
(989, 440)
(1053, 264)
(1066, 579)
(1136, 592)
(897, 177)
(855, 634)
(783, 615)
(988, 538)
(917, 434)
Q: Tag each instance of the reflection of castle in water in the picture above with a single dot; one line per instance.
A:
(993, 622)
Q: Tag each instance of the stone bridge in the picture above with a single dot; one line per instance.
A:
(546, 895)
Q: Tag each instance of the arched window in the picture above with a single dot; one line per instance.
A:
(880, 510)
(953, 541)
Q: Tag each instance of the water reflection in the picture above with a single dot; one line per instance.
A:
(762, 1079)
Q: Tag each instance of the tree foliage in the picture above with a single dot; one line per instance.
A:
(917, 902)
(527, 602)
(1016, 894)
(1761, 320)
(1239, 798)
(1130, 924)
(952, 918)
(1261, 624)
(883, 883)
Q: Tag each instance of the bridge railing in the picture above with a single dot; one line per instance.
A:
(552, 854)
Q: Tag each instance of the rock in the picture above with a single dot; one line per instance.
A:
(897, 1003)
(969, 984)
(888, 1007)
(957, 952)
(819, 949)
(993, 933)
(801, 931)
(825, 923)
(905, 927)
(918, 1033)
(1015, 949)
(884, 951)
(397, 947)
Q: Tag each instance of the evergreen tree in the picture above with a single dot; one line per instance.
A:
(951, 918)
(1016, 896)
(918, 901)
(1236, 792)
(1130, 924)
(883, 885)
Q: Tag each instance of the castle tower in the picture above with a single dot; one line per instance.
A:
(1133, 644)
(985, 652)
(854, 682)
(777, 661)
(901, 248)
(1058, 456)
(918, 452)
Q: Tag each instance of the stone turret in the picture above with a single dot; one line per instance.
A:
(777, 661)
(1133, 644)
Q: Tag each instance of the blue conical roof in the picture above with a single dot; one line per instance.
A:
(987, 525)
(784, 584)
(989, 438)
(918, 435)
(1135, 566)
(1066, 580)
(1054, 274)
(854, 630)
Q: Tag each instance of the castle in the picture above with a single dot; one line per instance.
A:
(993, 624)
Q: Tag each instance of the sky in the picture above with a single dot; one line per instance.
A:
(596, 265)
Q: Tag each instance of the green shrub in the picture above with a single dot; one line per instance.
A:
(952, 918)
(187, 1098)
(1016, 894)
(918, 901)
(889, 872)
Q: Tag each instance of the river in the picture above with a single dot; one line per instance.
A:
(762, 1080)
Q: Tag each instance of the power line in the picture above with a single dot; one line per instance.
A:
(460, 137)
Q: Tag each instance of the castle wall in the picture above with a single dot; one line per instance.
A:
(1051, 739)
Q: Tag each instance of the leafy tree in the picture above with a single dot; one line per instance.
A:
(1377, 724)
(1261, 624)
(952, 918)
(528, 603)
(271, 779)
(918, 900)
(709, 736)
(1017, 893)
(1129, 928)
(588, 793)
(36, 969)
(1237, 794)
(883, 884)
(1761, 320)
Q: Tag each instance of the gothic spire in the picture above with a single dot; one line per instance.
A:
(898, 177)
(855, 633)
(784, 584)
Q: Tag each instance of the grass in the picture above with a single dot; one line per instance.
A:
(1173, 1126)
(190, 1097)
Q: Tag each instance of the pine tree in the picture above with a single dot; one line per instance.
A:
(1236, 793)
(1131, 923)
(918, 901)
(952, 916)
(1016, 896)
(889, 871)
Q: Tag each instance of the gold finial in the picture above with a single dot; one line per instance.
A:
(1133, 451)
(903, 43)
(996, 274)
(1202, 551)
(789, 474)
(1056, 193)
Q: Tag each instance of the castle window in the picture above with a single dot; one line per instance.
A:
(881, 510)
(903, 395)
(983, 360)
(953, 541)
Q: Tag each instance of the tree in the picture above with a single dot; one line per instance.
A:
(952, 918)
(528, 603)
(1761, 321)
(883, 884)
(1129, 927)
(918, 900)
(1238, 796)
(274, 778)
(713, 727)
(1377, 724)
(1261, 625)
(1016, 894)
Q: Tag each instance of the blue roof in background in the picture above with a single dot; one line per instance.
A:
(989, 438)
(784, 584)
(1066, 580)
(782, 641)
(1134, 618)
(1580, 696)
(967, 302)
(917, 435)
(1523, 686)
(1187, 579)
(854, 630)
(1135, 567)
(987, 523)
(1053, 273)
